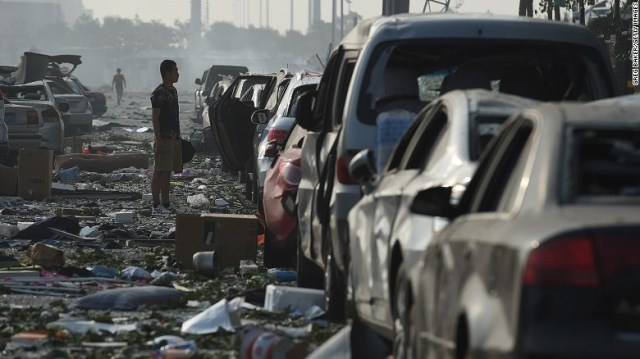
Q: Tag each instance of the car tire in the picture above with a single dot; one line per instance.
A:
(309, 274)
(366, 343)
(402, 316)
(282, 256)
(335, 289)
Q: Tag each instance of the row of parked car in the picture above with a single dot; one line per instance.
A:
(42, 102)
(459, 181)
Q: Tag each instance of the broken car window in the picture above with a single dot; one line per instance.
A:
(412, 74)
(603, 163)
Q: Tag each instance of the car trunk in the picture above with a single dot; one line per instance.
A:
(590, 301)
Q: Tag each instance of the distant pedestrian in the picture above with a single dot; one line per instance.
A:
(167, 146)
(119, 83)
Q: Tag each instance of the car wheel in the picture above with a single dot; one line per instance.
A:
(402, 319)
(335, 293)
(278, 256)
(366, 343)
(309, 274)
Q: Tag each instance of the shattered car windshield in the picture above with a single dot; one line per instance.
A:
(410, 75)
(37, 93)
(602, 164)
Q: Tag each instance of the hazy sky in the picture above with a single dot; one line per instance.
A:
(234, 11)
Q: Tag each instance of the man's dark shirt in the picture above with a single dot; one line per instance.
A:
(166, 99)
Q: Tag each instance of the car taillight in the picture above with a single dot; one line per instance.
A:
(277, 135)
(342, 171)
(618, 254)
(291, 173)
(50, 115)
(563, 262)
(32, 117)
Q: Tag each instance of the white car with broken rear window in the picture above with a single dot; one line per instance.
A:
(542, 255)
(38, 95)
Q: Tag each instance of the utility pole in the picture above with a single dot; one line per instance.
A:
(268, 14)
(390, 7)
(333, 22)
(291, 25)
(260, 22)
(341, 19)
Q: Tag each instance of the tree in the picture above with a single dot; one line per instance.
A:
(526, 8)
(616, 10)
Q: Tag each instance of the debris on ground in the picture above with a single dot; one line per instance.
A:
(77, 282)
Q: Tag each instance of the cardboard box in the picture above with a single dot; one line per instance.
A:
(232, 237)
(8, 181)
(34, 173)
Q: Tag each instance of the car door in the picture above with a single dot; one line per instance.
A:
(468, 249)
(388, 197)
(233, 127)
(310, 164)
(327, 150)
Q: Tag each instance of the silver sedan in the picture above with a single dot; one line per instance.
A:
(386, 242)
(542, 257)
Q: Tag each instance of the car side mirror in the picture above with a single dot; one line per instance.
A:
(434, 202)
(272, 149)
(63, 106)
(304, 110)
(260, 117)
(198, 81)
(363, 166)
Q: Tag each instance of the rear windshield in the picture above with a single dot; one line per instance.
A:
(32, 93)
(486, 128)
(58, 89)
(603, 164)
(409, 75)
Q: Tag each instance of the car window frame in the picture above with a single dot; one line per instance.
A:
(401, 148)
(345, 75)
(427, 135)
(325, 90)
(502, 165)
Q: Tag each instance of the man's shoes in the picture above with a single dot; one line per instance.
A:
(159, 210)
(169, 207)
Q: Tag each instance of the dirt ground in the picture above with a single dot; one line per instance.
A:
(145, 243)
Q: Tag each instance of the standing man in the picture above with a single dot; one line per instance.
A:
(167, 146)
(119, 83)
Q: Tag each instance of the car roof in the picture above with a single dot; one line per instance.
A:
(491, 99)
(452, 25)
(614, 112)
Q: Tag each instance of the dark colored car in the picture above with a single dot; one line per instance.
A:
(231, 121)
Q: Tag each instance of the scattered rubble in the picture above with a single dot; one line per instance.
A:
(77, 282)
